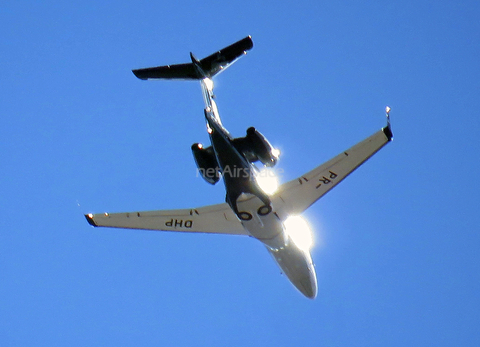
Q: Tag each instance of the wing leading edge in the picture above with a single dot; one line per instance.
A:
(217, 219)
(296, 196)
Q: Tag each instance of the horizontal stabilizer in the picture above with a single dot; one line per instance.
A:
(199, 69)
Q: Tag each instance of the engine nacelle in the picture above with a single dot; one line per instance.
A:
(261, 148)
(207, 164)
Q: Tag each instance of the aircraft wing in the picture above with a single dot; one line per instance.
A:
(218, 219)
(294, 197)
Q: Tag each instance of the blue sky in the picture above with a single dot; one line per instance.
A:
(396, 243)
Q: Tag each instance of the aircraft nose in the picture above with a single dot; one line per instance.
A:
(308, 288)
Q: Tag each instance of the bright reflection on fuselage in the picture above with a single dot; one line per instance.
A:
(299, 231)
(267, 180)
(208, 83)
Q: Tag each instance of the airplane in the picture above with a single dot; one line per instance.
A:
(271, 218)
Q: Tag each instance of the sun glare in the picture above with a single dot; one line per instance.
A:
(267, 180)
(299, 231)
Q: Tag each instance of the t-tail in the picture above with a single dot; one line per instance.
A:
(199, 69)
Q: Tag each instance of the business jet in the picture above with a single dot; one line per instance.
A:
(273, 218)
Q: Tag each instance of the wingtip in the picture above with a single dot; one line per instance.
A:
(388, 132)
(89, 218)
(388, 129)
(137, 73)
(250, 40)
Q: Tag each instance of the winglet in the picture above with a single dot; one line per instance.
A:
(90, 220)
(388, 129)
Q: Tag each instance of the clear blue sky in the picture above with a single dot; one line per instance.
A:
(396, 243)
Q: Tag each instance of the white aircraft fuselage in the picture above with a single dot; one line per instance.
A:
(258, 215)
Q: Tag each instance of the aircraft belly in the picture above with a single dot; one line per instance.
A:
(266, 227)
